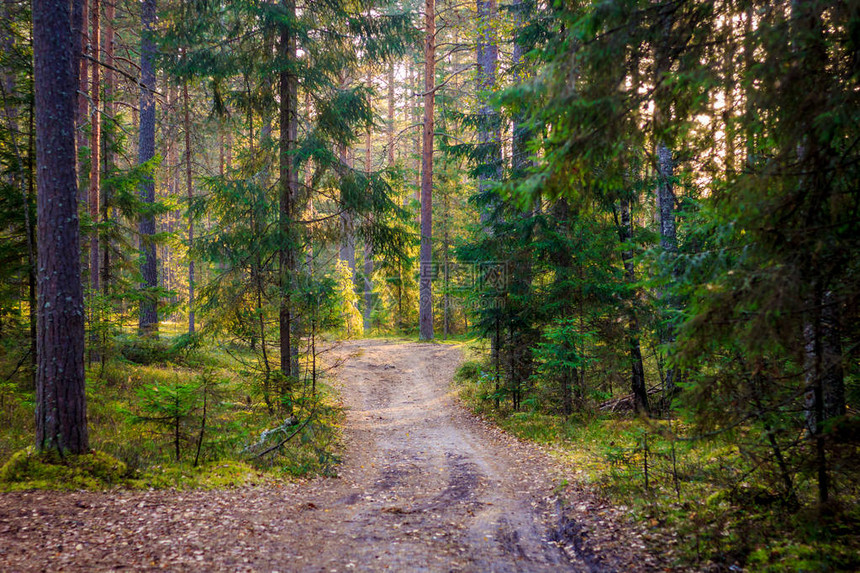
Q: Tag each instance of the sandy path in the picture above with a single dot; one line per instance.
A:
(424, 487)
(430, 490)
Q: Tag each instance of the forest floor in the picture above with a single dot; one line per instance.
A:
(425, 486)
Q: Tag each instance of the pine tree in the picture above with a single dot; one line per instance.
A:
(61, 421)
(148, 321)
(425, 297)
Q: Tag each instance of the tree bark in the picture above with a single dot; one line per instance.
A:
(729, 99)
(833, 380)
(415, 81)
(562, 260)
(164, 223)
(288, 185)
(80, 23)
(148, 322)
(190, 195)
(368, 246)
(637, 370)
(347, 235)
(519, 154)
(425, 287)
(309, 211)
(347, 240)
(61, 422)
(390, 115)
(110, 110)
(94, 199)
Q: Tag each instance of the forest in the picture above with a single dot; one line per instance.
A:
(624, 232)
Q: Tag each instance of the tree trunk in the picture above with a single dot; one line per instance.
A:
(288, 184)
(95, 147)
(347, 241)
(309, 206)
(825, 384)
(110, 110)
(833, 380)
(368, 246)
(61, 422)
(446, 222)
(390, 115)
(425, 288)
(729, 100)
(637, 370)
(190, 194)
(417, 141)
(347, 236)
(32, 247)
(164, 223)
(80, 22)
(562, 260)
(519, 154)
(146, 151)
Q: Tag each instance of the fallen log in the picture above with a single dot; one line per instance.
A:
(625, 403)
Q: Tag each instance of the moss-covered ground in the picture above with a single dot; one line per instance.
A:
(145, 410)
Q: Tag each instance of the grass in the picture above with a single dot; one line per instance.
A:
(714, 496)
(238, 426)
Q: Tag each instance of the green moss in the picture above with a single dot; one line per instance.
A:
(214, 475)
(29, 469)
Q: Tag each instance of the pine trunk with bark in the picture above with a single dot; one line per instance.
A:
(94, 199)
(368, 246)
(520, 159)
(110, 111)
(637, 370)
(80, 23)
(425, 285)
(390, 126)
(61, 422)
(148, 321)
(347, 234)
(189, 190)
(415, 82)
(287, 194)
(562, 260)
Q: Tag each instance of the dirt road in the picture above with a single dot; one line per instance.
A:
(425, 486)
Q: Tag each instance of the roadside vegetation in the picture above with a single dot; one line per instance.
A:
(713, 499)
(175, 412)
